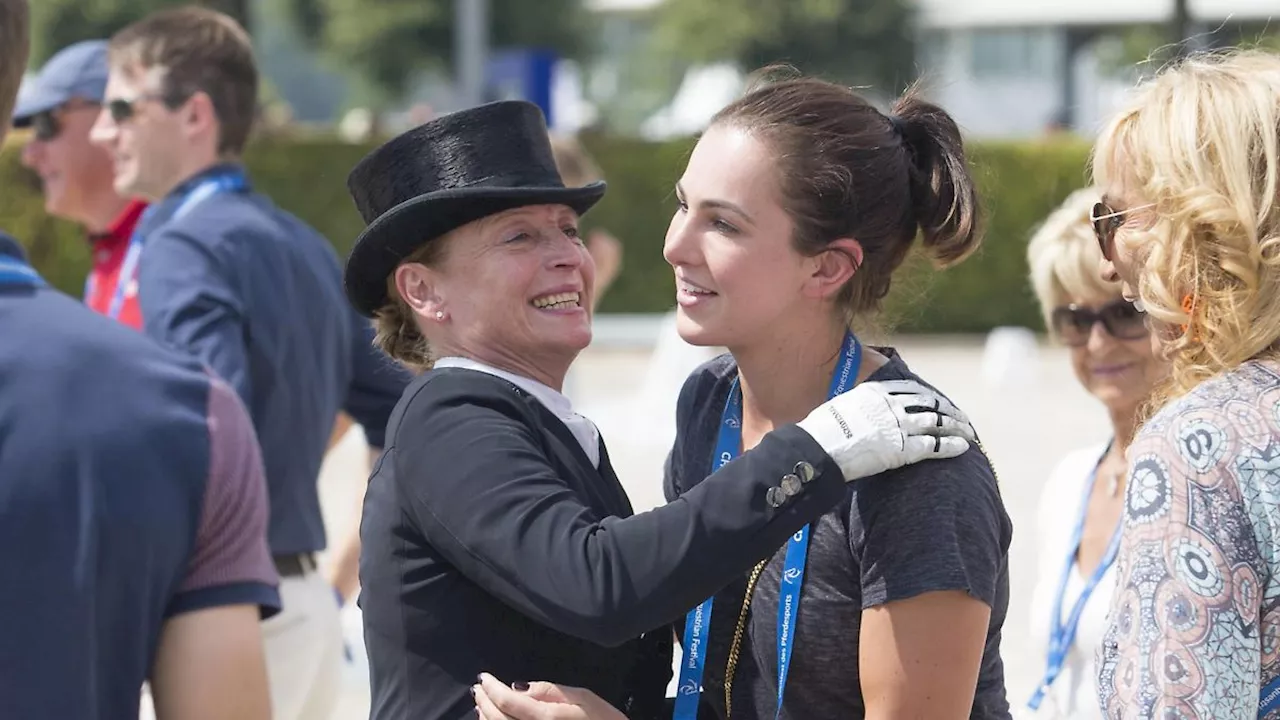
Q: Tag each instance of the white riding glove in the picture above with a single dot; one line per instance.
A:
(869, 430)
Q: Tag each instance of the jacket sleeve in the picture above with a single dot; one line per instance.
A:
(650, 676)
(191, 303)
(377, 382)
(475, 479)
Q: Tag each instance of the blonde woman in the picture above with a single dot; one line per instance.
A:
(1078, 522)
(1189, 224)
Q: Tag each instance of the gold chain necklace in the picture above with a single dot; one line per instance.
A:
(740, 629)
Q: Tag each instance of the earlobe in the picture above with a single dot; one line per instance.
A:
(414, 285)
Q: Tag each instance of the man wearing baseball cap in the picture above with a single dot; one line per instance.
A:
(59, 105)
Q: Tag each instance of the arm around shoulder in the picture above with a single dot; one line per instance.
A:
(472, 465)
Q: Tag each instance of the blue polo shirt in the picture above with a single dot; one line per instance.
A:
(257, 295)
(131, 491)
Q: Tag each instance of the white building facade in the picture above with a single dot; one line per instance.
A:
(1017, 68)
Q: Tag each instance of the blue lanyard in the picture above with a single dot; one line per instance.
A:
(1269, 699)
(697, 625)
(232, 181)
(16, 273)
(1063, 635)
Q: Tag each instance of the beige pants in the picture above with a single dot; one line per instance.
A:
(304, 652)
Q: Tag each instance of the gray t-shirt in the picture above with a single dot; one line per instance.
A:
(933, 526)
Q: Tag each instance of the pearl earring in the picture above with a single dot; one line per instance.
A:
(439, 314)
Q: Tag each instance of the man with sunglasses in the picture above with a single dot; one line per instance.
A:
(59, 106)
(229, 278)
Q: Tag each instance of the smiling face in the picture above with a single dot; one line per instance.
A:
(146, 139)
(75, 175)
(737, 271)
(1119, 365)
(514, 288)
(1111, 348)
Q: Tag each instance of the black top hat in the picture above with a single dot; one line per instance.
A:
(442, 175)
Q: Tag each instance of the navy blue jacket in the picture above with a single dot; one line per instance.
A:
(131, 491)
(257, 295)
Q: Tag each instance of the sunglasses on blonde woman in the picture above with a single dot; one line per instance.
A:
(1106, 220)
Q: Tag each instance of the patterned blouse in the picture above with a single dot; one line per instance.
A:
(1194, 627)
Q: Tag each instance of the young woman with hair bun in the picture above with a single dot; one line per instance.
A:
(798, 205)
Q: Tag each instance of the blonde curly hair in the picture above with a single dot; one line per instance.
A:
(1063, 256)
(1201, 141)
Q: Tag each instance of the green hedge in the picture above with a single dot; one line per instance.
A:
(1021, 183)
(307, 177)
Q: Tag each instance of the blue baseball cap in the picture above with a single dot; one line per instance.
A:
(10, 247)
(76, 71)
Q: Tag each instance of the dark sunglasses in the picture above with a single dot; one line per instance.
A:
(121, 109)
(1106, 220)
(1120, 318)
(46, 126)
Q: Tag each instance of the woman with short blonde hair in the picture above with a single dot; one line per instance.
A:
(1081, 502)
(1189, 225)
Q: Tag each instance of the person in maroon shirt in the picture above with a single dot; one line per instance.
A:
(59, 105)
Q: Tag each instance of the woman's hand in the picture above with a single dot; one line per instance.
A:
(539, 701)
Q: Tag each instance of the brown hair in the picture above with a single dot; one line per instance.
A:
(15, 38)
(846, 170)
(395, 326)
(573, 162)
(200, 50)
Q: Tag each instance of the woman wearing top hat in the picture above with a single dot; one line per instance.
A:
(495, 534)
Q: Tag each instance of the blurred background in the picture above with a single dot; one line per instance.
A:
(1029, 81)
(635, 79)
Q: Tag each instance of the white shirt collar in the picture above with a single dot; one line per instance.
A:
(583, 429)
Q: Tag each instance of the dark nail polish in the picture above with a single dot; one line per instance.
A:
(473, 690)
(480, 679)
(520, 686)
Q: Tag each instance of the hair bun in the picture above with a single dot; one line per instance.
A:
(943, 192)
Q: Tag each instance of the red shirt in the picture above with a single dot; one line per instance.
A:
(109, 250)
